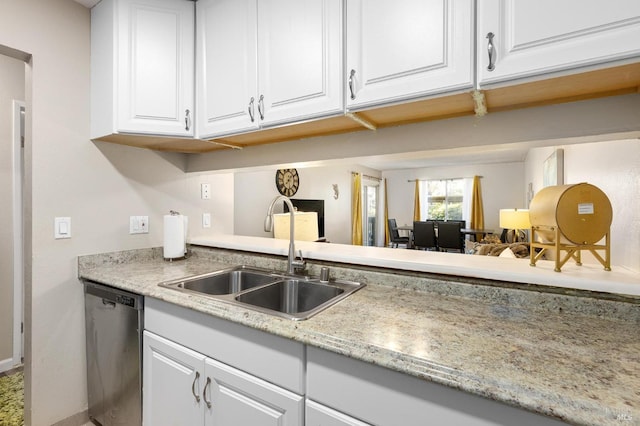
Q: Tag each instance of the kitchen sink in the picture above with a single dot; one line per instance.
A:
(292, 297)
(226, 281)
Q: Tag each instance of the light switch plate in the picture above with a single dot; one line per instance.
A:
(62, 227)
(206, 220)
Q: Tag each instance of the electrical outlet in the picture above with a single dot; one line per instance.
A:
(138, 224)
(206, 220)
(205, 191)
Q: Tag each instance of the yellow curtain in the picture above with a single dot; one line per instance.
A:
(416, 202)
(477, 211)
(356, 210)
(386, 215)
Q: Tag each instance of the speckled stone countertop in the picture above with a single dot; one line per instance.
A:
(560, 353)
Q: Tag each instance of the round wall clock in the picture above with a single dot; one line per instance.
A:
(287, 181)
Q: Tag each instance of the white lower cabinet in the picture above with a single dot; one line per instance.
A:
(342, 391)
(172, 389)
(237, 398)
(320, 415)
(201, 370)
(183, 387)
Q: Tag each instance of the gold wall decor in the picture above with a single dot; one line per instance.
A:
(569, 218)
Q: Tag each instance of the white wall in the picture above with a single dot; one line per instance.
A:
(254, 192)
(11, 88)
(614, 167)
(501, 185)
(98, 185)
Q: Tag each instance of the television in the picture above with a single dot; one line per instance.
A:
(309, 206)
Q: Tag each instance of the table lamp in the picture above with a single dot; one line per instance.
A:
(515, 219)
(306, 226)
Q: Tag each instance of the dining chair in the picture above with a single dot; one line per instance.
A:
(450, 237)
(424, 235)
(394, 236)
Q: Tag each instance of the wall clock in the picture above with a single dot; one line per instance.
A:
(287, 181)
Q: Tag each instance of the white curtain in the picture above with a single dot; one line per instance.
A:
(381, 222)
(424, 200)
(467, 199)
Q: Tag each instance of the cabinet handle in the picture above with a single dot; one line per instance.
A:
(351, 75)
(261, 107)
(204, 393)
(250, 109)
(492, 53)
(193, 387)
(187, 119)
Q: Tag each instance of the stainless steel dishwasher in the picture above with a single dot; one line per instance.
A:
(114, 324)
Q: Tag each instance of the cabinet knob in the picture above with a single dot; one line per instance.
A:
(492, 52)
(193, 387)
(204, 392)
(187, 119)
(261, 107)
(351, 89)
(250, 109)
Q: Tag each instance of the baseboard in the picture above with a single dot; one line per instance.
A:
(7, 364)
(77, 419)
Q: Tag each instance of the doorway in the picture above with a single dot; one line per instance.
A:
(370, 198)
(19, 112)
(12, 132)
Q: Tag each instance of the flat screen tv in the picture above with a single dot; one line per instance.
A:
(310, 206)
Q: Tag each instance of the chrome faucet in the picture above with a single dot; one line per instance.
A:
(294, 265)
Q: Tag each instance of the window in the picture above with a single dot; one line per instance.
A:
(443, 198)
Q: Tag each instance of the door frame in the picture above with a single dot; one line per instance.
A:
(19, 111)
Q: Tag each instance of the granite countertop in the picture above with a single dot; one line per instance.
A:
(570, 357)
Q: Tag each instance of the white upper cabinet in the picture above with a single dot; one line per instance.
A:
(299, 59)
(142, 60)
(267, 63)
(226, 64)
(533, 38)
(405, 49)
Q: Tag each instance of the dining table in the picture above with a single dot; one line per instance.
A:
(473, 233)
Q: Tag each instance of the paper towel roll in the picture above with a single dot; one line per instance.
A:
(175, 236)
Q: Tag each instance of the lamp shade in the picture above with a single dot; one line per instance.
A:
(514, 219)
(306, 226)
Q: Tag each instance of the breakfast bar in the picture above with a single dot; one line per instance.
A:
(548, 351)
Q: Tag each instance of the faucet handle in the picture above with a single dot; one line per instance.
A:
(299, 264)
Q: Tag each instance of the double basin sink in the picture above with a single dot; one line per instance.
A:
(289, 296)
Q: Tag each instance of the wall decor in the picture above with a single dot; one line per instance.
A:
(553, 169)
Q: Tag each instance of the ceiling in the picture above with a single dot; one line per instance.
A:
(87, 3)
(447, 157)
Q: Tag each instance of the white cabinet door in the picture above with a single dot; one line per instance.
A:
(407, 49)
(172, 383)
(299, 59)
(319, 415)
(543, 36)
(237, 398)
(227, 66)
(155, 67)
